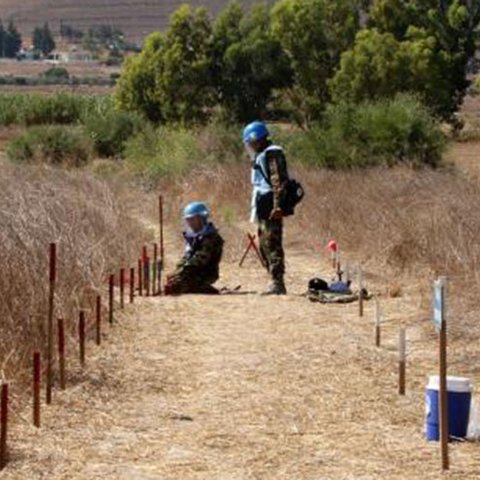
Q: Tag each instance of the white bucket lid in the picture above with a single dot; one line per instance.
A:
(454, 384)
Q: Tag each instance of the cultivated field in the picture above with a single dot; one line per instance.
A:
(35, 68)
(136, 18)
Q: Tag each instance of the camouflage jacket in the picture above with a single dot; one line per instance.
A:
(203, 254)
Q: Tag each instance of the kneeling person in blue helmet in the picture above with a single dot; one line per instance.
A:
(198, 269)
(269, 176)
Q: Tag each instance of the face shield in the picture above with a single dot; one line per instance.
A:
(250, 151)
(195, 223)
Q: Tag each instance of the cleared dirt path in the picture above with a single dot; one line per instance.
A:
(237, 388)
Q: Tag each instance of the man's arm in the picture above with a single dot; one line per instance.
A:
(277, 166)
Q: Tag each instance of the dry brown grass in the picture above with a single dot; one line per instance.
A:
(94, 236)
(404, 226)
(254, 387)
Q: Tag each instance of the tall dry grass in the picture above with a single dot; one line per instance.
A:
(94, 236)
(405, 226)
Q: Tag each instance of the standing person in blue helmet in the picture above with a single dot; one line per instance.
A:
(269, 177)
(199, 267)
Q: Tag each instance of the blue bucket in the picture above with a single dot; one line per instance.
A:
(459, 399)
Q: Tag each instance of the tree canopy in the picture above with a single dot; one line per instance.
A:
(43, 39)
(10, 40)
(303, 54)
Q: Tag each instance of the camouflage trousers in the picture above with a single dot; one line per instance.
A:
(270, 234)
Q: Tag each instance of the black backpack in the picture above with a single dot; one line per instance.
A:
(292, 194)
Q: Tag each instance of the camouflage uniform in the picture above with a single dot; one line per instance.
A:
(273, 166)
(198, 270)
(270, 233)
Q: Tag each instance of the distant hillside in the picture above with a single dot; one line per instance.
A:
(135, 18)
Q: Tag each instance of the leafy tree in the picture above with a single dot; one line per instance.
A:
(184, 86)
(43, 39)
(314, 33)
(71, 33)
(136, 87)
(380, 66)
(170, 79)
(226, 32)
(392, 16)
(451, 29)
(2, 39)
(248, 63)
(12, 42)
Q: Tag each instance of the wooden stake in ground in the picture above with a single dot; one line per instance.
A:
(402, 361)
(3, 425)
(132, 285)
(122, 288)
(378, 324)
(154, 269)
(51, 305)
(160, 213)
(140, 277)
(440, 321)
(111, 285)
(159, 275)
(37, 379)
(81, 337)
(61, 351)
(147, 275)
(144, 271)
(161, 261)
(360, 294)
(98, 320)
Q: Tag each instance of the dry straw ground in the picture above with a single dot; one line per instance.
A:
(245, 387)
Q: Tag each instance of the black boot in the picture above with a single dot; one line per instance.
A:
(276, 288)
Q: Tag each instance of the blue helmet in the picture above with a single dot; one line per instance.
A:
(196, 209)
(255, 131)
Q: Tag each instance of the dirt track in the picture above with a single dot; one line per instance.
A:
(240, 387)
(244, 387)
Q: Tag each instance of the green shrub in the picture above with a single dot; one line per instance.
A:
(175, 151)
(51, 144)
(58, 73)
(386, 132)
(110, 132)
(35, 109)
(156, 153)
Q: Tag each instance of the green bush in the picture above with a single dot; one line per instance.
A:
(110, 132)
(35, 109)
(156, 153)
(58, 73)
(54, 145)
(174, 151)
(386, 132)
